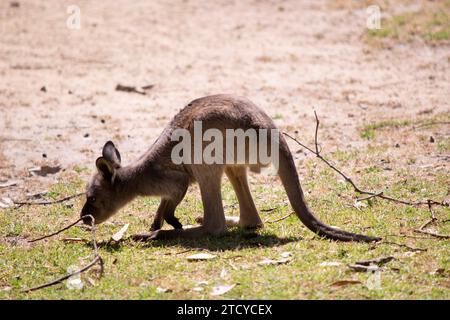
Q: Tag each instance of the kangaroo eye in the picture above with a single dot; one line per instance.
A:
(91, 199)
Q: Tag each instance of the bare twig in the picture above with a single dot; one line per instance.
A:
(282, 218)
(57, 232)
(430, 124)
(434, 234)
(402, 245)
(433, 218)
(405, 236)
(378, 261)
(427, 223)
(59, 280)
(97, 258)
(359, 190)
(45, 203)
(370, 197)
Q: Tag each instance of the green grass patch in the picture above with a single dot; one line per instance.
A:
(369, 130)
(444, 145)
(431, 22)
(141, 271)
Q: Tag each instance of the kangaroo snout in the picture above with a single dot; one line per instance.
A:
(87, 215)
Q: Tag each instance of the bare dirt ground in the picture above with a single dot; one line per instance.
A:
(58, 103)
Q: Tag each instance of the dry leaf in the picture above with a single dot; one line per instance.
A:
(140, 90)
(362, 268)
(6, 203)
(342, 283)
(378, 261)
(119, 235)
(439, 271)
(224, 273)
(43, 171)
(10, 183)
(359, 204)
(144, 284)
(267, 262)
(201, 256)
(330, 264)
(162, 290)
(221, 289)
(91, 282)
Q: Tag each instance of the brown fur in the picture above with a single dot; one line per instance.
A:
(154, 174)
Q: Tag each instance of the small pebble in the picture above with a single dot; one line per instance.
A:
(431, 139)
(86, 135)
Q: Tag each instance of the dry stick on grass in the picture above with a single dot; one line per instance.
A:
(97, 258)
(282, 218)
(431, 124)
(370, 194)
(57, 232)
(427, 223)
(402, 245)
(45, 203)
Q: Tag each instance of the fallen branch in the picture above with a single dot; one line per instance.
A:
(97, 258)
(434, 234)
(427, 223)
(55, 233)
(430, 124)
(282, 218)
(405, 236)
(359, 190)
(378, 261)
(402, 245)
(45, 203)
(369, 265)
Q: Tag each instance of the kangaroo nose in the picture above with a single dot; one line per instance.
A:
(86, 215)
(86, 218)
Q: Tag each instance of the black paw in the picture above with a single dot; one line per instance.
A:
(175, 223)
(142, 237)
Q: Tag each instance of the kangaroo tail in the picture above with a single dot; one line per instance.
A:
(291, 183)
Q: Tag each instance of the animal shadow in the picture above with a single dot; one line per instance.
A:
(234, 239)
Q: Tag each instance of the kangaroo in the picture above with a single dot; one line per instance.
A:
(156, 174)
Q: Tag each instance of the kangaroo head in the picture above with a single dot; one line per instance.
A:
(102, 196)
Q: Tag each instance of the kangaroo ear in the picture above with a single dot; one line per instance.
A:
(111, 154)
(105, 168)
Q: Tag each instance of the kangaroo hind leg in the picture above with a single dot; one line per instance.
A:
(248, 215)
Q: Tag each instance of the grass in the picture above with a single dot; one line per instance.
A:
(431, 22)
(136, 271)
(444, 145)
(369, 130)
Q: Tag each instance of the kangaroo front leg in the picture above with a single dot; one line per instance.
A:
(209, 180)
(166, 211)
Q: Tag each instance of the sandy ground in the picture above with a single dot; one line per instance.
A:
(289, 57)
